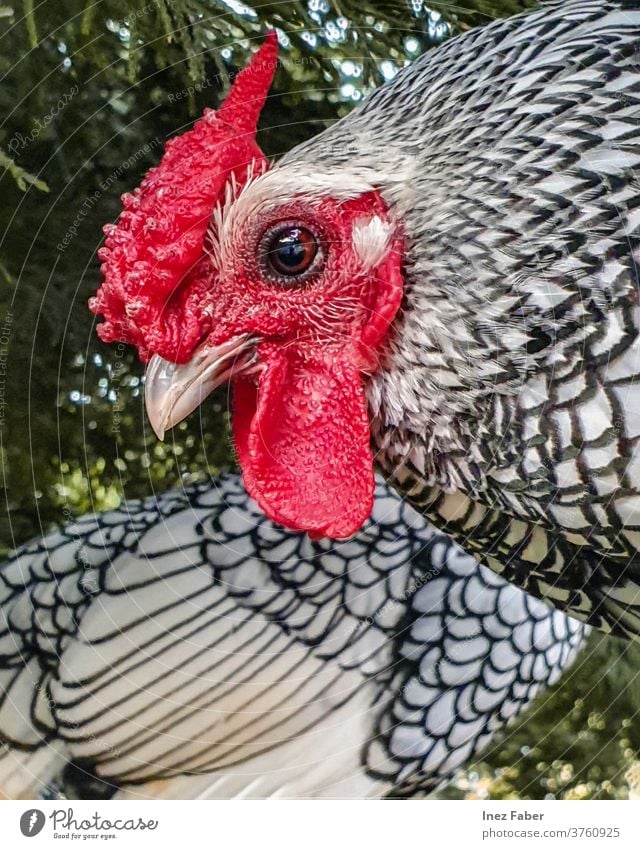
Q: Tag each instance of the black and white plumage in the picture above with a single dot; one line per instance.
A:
(507, 407)
(188, 634)
(529, 243)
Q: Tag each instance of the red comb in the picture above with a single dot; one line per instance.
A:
(153, 268)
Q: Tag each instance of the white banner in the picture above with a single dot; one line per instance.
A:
(307, 825)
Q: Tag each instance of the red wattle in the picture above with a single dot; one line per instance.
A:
(302, 437)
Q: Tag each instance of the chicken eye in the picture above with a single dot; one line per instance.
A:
(290, 250)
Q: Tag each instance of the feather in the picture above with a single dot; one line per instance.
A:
(186, 647)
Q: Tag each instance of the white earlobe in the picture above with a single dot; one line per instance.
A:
(371, 238)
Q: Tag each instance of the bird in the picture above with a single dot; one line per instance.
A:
(185, 646)
(442, 285)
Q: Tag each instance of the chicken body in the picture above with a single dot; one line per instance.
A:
(444, 283)
(187, 647)
(507, 407)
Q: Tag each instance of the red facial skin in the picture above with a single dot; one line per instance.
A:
(300, 425)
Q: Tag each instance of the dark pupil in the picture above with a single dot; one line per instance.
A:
(292, 251)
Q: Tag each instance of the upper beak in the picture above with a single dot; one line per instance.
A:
(173, 391)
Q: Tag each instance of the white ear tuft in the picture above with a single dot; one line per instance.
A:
(371, 238)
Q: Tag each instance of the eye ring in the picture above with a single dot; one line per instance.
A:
(290, 253)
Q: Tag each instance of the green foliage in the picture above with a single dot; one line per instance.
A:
(91, 91)
(23, 178)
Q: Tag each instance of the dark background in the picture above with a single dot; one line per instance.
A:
(89, 94)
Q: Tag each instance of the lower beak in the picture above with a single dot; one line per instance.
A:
(173, 391)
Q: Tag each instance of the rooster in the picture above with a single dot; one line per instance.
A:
(185, 647)
(442, 284)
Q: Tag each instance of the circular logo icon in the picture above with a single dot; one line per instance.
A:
(32, 822)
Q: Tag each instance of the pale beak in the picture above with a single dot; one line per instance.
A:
(173, 391)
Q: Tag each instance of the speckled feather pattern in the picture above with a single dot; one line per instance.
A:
(186, 646)
(508, 406)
